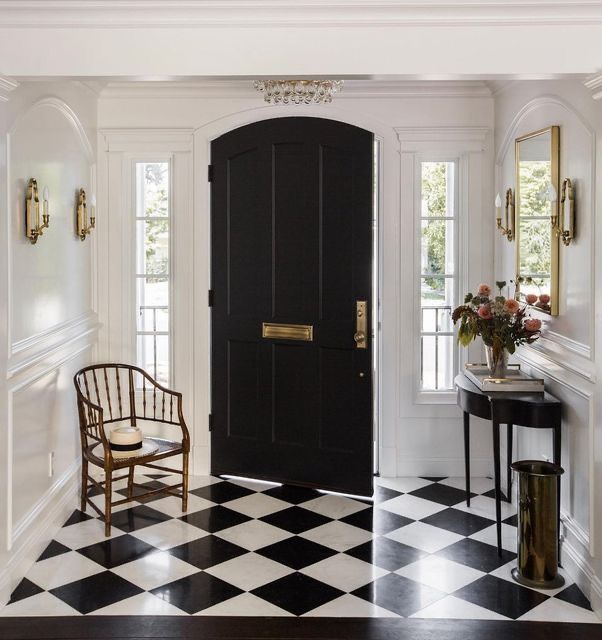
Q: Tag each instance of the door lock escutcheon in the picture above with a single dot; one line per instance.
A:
(361, 324)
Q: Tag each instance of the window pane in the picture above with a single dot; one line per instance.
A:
(436, 319)
(153, 356)
(152, 179)
(437, 185)
(153, 253)
(436, 292)
(437, 355)
(437, 247)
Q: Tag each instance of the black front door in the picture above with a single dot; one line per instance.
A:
(291, 212)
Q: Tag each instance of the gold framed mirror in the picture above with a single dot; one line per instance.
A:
(537, 209)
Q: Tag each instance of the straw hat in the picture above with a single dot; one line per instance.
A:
(128, 442)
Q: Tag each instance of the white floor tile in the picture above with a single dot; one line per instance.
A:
(441, 574)
(85, 533)
(62, 569)
(349, 606)
(451, 607)
(555, 610)
(154, 570)
(143, 604)
(424, 536)
(253, 534)
(194, 482)
(168, 534)
(245, 604)
(338, 535)
(489, 536)
(254, 485)
(477, 485)
(485, 507)
(412, 507)
(257, 505)
(42, 604)
(344, 572)
(334, 506)
(249, 571)
(405, 485)
(505, 573)
(99, 501)
(172, 506)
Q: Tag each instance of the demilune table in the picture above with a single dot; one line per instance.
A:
(535, 410)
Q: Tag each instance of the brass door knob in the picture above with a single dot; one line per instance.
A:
(359, 336)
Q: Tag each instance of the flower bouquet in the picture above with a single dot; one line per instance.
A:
(501, 322)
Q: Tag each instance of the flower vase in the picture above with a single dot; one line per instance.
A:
(497, 361)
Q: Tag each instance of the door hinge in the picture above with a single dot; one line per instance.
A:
(210, 298)
(210, 422)
(210, 173)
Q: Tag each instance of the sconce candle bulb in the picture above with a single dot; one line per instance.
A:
(33, 228)
(83, 228)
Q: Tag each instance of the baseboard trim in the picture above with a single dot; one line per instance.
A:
(443, 467)
(50, 514)
(583, 574)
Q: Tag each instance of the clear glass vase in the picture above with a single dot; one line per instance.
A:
(497, 361)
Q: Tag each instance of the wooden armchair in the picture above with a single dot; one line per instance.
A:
(121, 393)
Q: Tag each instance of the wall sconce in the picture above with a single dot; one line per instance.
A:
(33, 228)
(83, 228)
(567, 200)
(507, 230)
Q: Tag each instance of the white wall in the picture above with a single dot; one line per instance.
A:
(47, 319)
(568, 356)
(133, 120)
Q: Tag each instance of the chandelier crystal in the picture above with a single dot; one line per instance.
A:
(298, 91)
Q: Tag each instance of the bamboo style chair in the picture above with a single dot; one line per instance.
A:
(113, 393)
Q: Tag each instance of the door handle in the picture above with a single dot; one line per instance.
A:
(361, 324)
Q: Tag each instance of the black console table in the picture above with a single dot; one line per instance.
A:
(537, 410)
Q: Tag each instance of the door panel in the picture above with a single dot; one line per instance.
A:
(291, 207)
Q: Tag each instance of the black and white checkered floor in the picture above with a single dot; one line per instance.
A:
(253, 549)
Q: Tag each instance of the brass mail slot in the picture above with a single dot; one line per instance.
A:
(303, 332)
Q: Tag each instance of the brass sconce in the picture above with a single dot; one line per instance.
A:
(567, 199)
(83, 227)
(33, 228)
(507, 230)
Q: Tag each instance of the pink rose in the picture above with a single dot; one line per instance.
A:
(511, 306)
(544, 298)
(484, 312)
(484, 289)
(532, 324)
(531, 298)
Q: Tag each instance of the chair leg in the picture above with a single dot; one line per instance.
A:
(185, 482)
(84, 492)
(131, 482)
(108, 488)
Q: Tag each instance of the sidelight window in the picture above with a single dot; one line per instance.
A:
(153, 220)
(437, 278)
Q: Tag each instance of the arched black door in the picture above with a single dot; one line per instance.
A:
(291, 265)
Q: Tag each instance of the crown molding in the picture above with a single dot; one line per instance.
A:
(353, 89)
(6, 86)
(330, 13)
(594, 84)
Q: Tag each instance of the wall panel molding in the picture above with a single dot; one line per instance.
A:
(7, 85)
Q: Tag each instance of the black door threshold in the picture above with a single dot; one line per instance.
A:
(242, 628)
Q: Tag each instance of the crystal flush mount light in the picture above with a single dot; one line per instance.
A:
(298, 91)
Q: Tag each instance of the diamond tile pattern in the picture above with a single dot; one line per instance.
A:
(245, 548)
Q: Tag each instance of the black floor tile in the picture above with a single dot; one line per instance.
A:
(296, 519)
(297, 593)
(207, 552)
(95, 592)
(221, 492)
(156, 476)
(377, 520)
(476, 554)
(144, 487)
(399, 594)
(512, 520)
(137, 518)
(434, 478)
(384, 493)
(575, 596)
(292, 494)
(457, 521)
(215, 518)
(53, 549)
(25, 589)
(77, 516)
(502, 596)
(115, 551)
(296, 552)
(441, 493)
(196, 592)
(386, 554)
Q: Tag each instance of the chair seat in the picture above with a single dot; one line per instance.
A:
(165, 448)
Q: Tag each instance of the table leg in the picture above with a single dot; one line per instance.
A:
(509, 431)
(498, 492)
(557, 448)
(467, 455)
